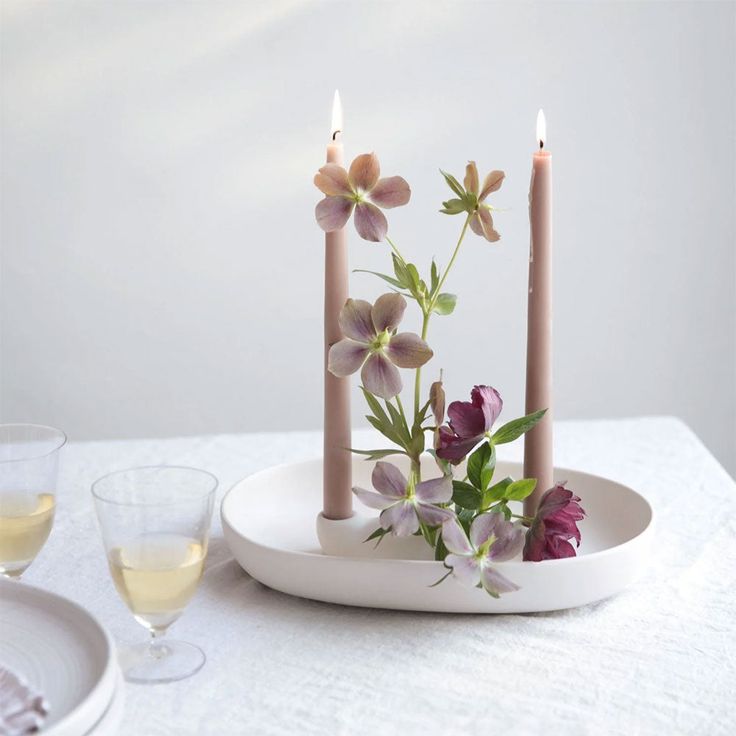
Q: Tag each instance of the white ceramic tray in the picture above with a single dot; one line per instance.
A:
(269, 522)
(64, 653)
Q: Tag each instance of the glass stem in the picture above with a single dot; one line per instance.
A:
(156, 647)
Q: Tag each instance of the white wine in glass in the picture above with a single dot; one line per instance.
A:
(157, 575)
(29, 461)
(155, 526)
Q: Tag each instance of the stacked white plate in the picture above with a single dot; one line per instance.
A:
(64, 654)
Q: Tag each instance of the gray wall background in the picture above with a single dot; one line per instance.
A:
(161, 267)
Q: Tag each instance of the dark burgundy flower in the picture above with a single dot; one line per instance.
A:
(468, 423)
(554, 525)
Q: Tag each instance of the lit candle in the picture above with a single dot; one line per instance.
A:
(538, 441)
(337, 468)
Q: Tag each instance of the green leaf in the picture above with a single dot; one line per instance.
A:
(398, 423)
(389, 279)
(465, 517)
(453, 207)
(445, 304)
(516, 427)
(386, 430)
(375, 406)
(453, 183)
(481, 465)
(496, 492)
(402, 275)
(440, 551)
(520, 489)
(377, 454)
(380, 532)
(434, 276)
(464, 495)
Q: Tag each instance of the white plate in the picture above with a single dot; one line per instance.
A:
(63, 652)
(269, 524)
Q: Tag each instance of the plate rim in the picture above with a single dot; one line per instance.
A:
(108, 678)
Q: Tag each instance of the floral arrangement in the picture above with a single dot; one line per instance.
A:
(463, 513)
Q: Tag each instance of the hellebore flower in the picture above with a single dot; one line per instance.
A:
(403, 505)
(362, 190)
(492, 539)
(371, 342)
(469, 422)
(471, 199)
(481, 223)
(554, 524)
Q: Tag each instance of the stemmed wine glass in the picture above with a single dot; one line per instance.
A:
(155, 525)
(29, 464)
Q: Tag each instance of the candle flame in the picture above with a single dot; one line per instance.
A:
(336, 116)
(541, 128)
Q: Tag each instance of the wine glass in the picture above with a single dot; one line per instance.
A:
(155, 525)
(29, 464)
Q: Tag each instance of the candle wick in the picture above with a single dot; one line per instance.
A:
(334, 135)
(541, 145)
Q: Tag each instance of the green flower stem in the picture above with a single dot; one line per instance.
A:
(395, 249)
(401, 410)
(428, 312)
(450, 264)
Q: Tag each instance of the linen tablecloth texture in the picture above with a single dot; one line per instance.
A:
(656, 659)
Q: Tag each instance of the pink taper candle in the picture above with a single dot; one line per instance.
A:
(538, 442)
(337, 473)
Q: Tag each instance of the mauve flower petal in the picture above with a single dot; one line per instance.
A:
(408, 350)
(475, 225)
(437, 401)
(389, 480)
(333, 212)
(433, 515)
(471, 177)
(373, 500)
(451, 447)
(486, 223)
(370, 222)
(401, 518)
(332, 180)
(381, 377)
(435, 490)
(466, 420)
(558, 549)
(364, 172)
(489, 400)
(495, 583)
(465, 569)
(455, 539)
(491, 183)
(483, 526)
(355, 321)
(346, 357)
(509, 543)
(534, 543)
(393, 191)
(387, 312)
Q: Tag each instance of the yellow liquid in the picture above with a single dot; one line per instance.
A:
(156, 576)
(25, 525)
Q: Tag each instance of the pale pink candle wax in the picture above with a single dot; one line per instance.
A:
(337, 472)
(538, 462)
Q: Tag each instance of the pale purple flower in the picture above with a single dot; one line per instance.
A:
(360, 189)
(481, 223)
(492, 539)
(469, 421)
(404, 505)
(554, 525)
(371, 342)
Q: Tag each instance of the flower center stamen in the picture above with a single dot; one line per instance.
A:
(381, 341)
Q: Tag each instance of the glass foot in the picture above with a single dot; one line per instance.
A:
(160, 661)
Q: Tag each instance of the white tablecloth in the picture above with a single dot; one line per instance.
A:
(657, 659)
